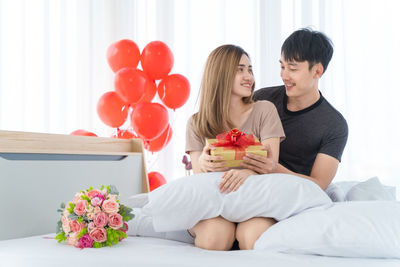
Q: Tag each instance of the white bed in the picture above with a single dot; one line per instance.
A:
(146, 251)
(21, 245)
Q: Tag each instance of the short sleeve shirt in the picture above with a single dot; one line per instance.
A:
(319, 128)
(263, 122)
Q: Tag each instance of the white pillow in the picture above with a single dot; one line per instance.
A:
(182, 203)
(348, 229)
(335, 192)
(371, 189)
(138, 200)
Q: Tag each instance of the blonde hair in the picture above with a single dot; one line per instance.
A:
(216, 88)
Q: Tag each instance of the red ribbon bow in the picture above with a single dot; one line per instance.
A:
(234, 138)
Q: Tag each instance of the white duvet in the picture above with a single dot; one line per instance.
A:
(309, 222)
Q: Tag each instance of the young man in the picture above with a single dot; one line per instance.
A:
(316, 133)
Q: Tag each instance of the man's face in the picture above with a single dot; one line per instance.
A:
(298, 78)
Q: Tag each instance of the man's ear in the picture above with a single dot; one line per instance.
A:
(318, 70)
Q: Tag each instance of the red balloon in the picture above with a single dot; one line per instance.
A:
(149, 91)
(112, 110)
(156, 179)
(157, 60)
(149, 120)
(83, 133)
(130, 84)
(124, 134)
(122, 54)
(160, 142)
(174, 91)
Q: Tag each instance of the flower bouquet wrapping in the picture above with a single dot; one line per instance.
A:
(94, 218)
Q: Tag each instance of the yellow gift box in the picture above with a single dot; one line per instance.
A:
(233, 155)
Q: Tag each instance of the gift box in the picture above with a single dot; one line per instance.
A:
(234, 145)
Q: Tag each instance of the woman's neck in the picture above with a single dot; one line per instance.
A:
(239, 111)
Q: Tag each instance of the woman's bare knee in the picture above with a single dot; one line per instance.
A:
(214, 234)
(249, 231)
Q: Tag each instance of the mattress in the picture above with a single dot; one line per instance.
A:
(37, 164)
(146, 251)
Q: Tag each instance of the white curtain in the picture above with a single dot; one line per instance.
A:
(53, 67)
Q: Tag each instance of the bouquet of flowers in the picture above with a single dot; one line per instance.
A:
(94, 218)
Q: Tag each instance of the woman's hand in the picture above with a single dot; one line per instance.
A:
(207, 163)
(233, 179)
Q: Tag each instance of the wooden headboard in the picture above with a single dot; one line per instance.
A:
(38, 171)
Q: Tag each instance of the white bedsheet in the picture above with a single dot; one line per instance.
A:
(145, 251)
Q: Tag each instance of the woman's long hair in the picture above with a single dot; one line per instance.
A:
(216, 89)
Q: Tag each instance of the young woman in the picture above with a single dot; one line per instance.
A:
(226, 102)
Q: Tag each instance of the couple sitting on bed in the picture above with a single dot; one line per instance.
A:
(302, 133)
(312, 132)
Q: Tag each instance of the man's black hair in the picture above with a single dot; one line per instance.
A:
(308, 45)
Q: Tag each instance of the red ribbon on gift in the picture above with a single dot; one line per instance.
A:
(236, 140)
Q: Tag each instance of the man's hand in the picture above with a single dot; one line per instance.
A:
(233, 179)
(207, 162)
(260, 164)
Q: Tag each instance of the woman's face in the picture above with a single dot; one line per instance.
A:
(244, 79)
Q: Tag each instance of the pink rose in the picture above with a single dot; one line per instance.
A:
(77, 197)
(96, 201)
(90, 215)
(97, 210)
(85, 241)
(91, 226)
(65, 212)
(71, 240)
(77, 226)
(65, 224)
(100, 219)
(112, 197)
(110, 206)
(93, 193)
(80, 207)
(98, 234)
(115, 221)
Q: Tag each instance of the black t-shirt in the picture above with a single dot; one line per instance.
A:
(319, 128)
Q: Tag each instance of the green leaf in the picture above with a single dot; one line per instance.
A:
(71, 207)
(59, 227)
(61, 237)
(85, 197)
(73, 216)
(101, 187)
(112, 190)
(121, 234)
(126, 212)
(85, 218)
(81, 233)
(97, 245)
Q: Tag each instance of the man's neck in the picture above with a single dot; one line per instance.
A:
(302, 102)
